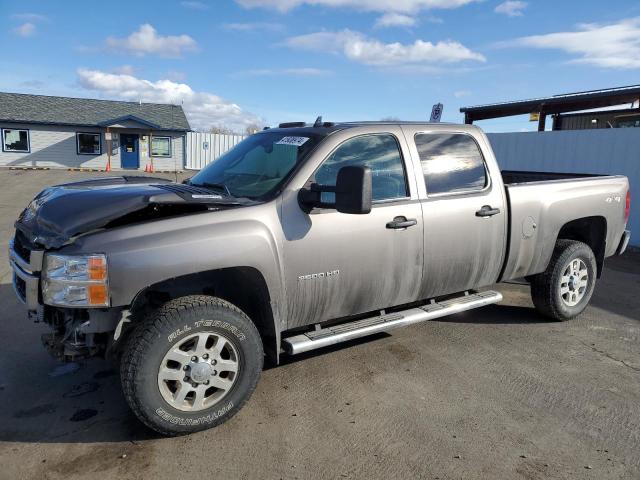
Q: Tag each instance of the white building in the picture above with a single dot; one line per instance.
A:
(44, 131)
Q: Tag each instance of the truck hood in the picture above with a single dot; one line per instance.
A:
(59, 214)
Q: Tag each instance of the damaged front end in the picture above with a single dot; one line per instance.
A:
(79, 333)
(70, 292)
(75, 332)
(59, 214)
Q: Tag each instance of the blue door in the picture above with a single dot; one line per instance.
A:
(129, 151)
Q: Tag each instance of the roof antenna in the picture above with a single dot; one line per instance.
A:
(318, 122)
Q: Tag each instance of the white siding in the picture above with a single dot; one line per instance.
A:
(198, 156)
(55, 146)
(612, 151)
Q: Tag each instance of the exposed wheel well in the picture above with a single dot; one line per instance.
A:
(244, 287)
(590, 230)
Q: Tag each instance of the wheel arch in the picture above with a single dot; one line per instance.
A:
(589, 230)
(244, 287)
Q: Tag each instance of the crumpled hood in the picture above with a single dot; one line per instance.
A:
(60, 213)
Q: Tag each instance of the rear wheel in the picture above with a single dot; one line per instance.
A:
(191, 365)
(564, 290)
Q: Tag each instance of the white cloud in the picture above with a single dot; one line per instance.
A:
(405, 6)
(368, 51)
(255, 26)
(461, 93)
(25, 30)
(393, 19)
(203, 109)
(290, 72)
(195, 5)
(29, 17)
(612, 45)
(511, 8)
(146, 41)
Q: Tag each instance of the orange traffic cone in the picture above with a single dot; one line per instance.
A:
(108, 168)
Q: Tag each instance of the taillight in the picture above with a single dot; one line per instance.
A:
(627, 206)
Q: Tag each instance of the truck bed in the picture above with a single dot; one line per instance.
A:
(512, 177)
(541, 203)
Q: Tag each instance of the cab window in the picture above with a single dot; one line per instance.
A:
(381, 153)
(451, 163)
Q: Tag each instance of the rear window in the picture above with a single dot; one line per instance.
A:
(451, 163)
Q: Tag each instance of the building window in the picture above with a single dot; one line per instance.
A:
(160, 146)
(14, 140)
(451, 163)
(89, 143)
(627, 122)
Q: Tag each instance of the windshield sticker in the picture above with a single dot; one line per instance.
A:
(295, 141)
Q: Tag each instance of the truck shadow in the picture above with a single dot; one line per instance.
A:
(496, 315)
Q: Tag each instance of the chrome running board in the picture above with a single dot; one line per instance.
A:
(348, 331)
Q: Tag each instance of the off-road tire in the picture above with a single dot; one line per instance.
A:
(155, 335)
(545, 286)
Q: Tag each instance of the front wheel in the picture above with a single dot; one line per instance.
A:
(564, 289)
(191, 365)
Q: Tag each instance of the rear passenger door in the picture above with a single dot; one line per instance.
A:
(464, 213)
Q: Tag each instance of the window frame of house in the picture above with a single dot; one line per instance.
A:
(28, 150)
(168, 137)
(78, 152)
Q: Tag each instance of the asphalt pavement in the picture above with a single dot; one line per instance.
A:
(494, 393)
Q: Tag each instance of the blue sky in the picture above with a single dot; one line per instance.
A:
(233, 63)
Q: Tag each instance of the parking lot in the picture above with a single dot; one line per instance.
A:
(492, 393)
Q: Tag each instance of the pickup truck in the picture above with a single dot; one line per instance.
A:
(300, 237)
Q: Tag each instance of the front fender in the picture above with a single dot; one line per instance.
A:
(148, 253)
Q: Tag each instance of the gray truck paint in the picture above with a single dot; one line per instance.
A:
(364, 266)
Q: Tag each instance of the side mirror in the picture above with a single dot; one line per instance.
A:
(353, 192)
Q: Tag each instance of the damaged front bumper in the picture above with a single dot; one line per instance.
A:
(26, 278)
(77, 332)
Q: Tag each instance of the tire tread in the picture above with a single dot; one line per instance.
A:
(543, 284)
(139, 342)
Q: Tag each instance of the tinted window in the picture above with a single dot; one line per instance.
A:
(451, 163)
(378, 152)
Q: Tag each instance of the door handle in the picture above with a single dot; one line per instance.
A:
(487, 211)
(402, 222)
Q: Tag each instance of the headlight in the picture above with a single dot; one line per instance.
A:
(75, 281)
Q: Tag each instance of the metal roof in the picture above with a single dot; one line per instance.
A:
(43, 109)
(570, 102)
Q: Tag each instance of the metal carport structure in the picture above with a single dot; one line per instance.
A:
(570, 102)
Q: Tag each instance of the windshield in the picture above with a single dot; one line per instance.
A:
(258, 165)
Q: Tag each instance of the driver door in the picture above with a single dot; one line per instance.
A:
(337, 264)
